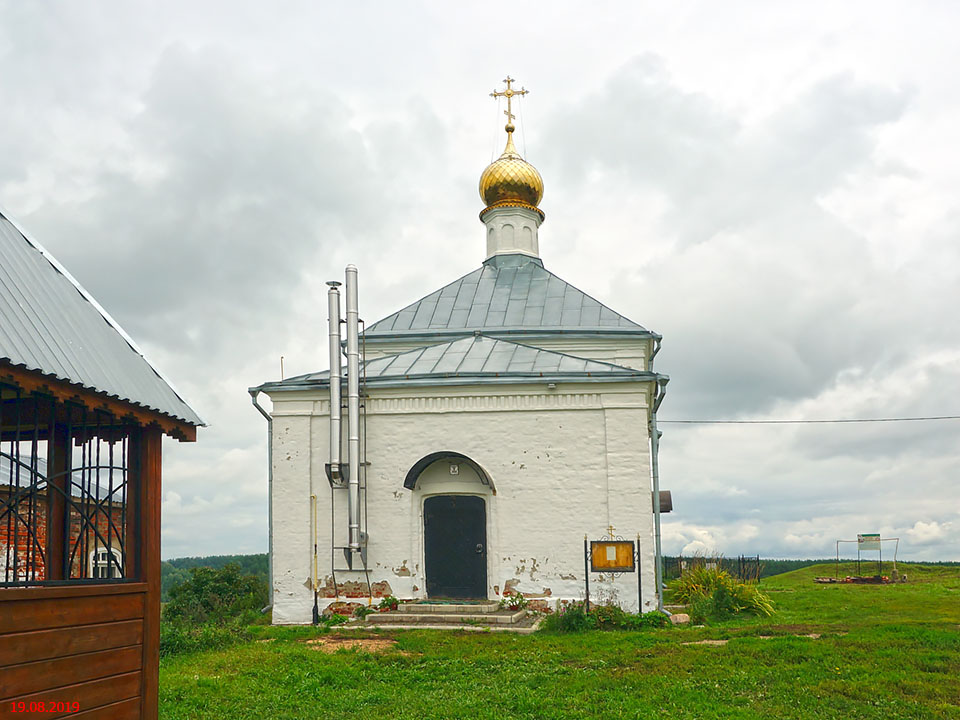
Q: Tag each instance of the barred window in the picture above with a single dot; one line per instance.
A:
(64, 492)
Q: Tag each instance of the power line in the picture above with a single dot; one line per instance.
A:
(809, 422)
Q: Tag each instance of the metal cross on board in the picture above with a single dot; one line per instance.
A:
(508, 94)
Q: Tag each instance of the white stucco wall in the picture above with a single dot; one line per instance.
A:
(512, 230)
(564, 463)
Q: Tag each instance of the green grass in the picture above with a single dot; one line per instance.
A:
(885, 652)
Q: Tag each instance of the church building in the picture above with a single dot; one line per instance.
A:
(503, 419)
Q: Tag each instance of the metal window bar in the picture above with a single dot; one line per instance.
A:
(89, 480)
(97, 524)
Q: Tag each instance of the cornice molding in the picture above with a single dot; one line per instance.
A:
(476, 403)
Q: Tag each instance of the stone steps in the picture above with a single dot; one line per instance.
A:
(444, 608)
(525, 629)
(500, 617)
(453, 616)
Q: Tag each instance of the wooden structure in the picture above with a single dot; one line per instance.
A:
(79, 524)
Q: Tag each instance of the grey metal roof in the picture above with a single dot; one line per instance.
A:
(95, 480)
(474, 359)
(507, 294)
(50, 324)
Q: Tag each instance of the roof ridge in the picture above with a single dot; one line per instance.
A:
(108, 319)
(419, 300)
(588, 295)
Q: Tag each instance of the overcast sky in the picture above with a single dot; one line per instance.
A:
(771, 186)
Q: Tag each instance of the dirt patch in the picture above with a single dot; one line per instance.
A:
(814, 636)
(370, 645)
(790, 629)
(707, 642)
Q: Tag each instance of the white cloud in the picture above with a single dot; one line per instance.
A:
(925, 533)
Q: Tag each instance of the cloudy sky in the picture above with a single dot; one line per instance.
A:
(771, 186)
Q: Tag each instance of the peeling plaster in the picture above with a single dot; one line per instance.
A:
(402, 571)
(353, 589)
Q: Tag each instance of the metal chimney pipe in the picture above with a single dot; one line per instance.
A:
(353, 406)
(333, 314)
(661, 391)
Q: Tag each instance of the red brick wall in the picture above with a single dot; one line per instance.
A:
(15, 531)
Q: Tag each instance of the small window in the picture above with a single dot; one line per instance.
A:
(103, 567)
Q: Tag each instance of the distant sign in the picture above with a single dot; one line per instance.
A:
(868, 541)
(612, 556)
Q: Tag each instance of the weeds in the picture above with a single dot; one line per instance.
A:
(714, 594)
(576, 618)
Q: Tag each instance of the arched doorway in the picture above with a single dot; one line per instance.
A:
(454, 491)
(455, 546)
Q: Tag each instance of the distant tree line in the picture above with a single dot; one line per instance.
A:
(175, 572)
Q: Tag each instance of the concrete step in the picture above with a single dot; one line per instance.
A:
(525, 628)
(401, 617)
(438, 608)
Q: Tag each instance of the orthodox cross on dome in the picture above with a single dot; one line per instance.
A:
(508, 94)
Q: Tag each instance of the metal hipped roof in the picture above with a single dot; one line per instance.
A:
(474, 359)
(51, 325)
(507, 294)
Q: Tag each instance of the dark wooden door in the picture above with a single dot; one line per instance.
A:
(455, 546)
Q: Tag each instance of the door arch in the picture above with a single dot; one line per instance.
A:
(454, 458)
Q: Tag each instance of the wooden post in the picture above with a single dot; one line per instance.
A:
(58, 489)
(146, 450)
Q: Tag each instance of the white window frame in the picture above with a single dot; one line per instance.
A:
(101, 568)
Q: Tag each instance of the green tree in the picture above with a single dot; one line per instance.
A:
(215, 596)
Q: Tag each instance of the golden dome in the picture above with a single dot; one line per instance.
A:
(511, 181)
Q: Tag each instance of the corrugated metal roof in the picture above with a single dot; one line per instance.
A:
(476, 358)
(94, 480)
(507, 294)
(50, 324)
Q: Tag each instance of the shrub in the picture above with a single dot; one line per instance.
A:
(609, 617)
(570, 618)
(652, 619)
(714, 593)
(575, 618)
(215, 596)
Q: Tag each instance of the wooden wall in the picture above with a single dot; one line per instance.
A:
(95, 644)
(73, 644)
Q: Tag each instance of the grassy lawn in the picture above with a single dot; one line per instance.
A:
(883, 652)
